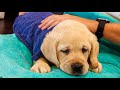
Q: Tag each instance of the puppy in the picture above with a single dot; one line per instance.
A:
(71, 47)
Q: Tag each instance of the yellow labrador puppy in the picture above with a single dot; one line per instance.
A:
(71, 47)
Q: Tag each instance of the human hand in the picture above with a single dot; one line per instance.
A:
(53, 20)
(22, 13)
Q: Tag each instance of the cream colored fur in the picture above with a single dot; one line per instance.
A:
(74, 36)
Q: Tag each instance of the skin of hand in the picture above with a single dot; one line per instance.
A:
(53, 20)
(21, 13)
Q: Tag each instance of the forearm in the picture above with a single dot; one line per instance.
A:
(91, 24)
(111, 30)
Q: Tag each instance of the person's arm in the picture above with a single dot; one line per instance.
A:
(21, 13)
(111, 30)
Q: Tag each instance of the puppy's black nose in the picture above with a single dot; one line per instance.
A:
(77, 67)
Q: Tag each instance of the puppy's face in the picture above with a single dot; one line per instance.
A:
(73, 52)
(71, 47)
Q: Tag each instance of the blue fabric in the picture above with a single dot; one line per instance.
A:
(26, 29)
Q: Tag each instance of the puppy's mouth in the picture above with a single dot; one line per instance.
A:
(75, 68)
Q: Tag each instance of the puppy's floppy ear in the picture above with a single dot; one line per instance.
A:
(93, 57)
(48, 48)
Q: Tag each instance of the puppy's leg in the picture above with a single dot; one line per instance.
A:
(41, 66)
(98, 69)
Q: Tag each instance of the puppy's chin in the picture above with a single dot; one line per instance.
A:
(74, 68)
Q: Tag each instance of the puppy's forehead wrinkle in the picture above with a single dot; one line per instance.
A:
(63, 47)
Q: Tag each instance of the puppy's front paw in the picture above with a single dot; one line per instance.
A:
(98, 69)
(41, 68)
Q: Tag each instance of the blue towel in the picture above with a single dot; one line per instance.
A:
(26, 29)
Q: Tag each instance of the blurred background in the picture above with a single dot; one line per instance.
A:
(7, 19)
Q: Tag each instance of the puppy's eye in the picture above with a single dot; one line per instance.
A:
(65, 51)
(84, 49)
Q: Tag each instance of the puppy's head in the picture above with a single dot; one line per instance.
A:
(71, 47)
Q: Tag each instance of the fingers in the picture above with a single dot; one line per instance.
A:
(49, 22)
(46, 24)
(22, 13)
(46, 20)
(53, 24)
(49, 18)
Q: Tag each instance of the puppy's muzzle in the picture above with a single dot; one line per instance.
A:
(77, 68)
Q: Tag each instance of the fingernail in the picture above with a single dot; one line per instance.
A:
(39, 26)
(42, 21)
(42, 28)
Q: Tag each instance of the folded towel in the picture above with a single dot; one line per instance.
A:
(114, 14)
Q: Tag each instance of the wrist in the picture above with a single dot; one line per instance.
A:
(101, 27)
(92, 26)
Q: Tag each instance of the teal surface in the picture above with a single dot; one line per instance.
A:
(93, 15)
(15, 58)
